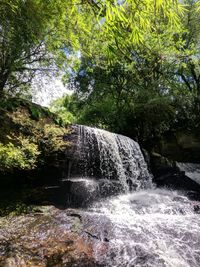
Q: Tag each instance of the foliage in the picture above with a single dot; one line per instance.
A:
(37, 35)
(62, 107)
(44, 132)
(144, 117)
(137, 66)
(21, 25)
(139, 74)
(22, 156)
(26, 141)
(14, 209)
(36, 112)
(53, 136)
(130, 23)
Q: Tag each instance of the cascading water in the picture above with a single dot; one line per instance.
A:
(151, 228)
(109, 156)
(141, 227)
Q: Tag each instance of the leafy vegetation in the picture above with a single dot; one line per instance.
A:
(21, 157)
(63, 107)
(36, 36)
(139, 74)
(43, 35)
(29, 134)
(133, 65)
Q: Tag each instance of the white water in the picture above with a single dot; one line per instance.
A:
(119, 158)
(142, 228)
(156, 228)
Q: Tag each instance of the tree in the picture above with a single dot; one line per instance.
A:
(187, 63)
(133, 83)
(21, 40)
(36, 35)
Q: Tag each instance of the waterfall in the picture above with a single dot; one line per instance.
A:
(128, 223)
(139, 225)
(110, 156)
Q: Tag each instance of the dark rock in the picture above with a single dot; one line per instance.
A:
(170, 174)
(92, 235)
(179, 146)
(197, 209)
(74, 215)
(190, 170)
(80, 192)
(193, 195)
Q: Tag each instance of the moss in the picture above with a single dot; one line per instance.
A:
(16, 208)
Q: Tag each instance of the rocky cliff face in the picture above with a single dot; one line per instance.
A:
(179, 146)
(43, 177)
(174, 162)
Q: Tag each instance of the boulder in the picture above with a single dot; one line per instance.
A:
(51, 238)
(176, 175)
(191, 170)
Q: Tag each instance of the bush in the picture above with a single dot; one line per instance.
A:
(23, 156)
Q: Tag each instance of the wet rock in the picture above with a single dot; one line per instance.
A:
(92, 235)
(161, 166)
(169, 159)
(190, 170)
(175, 175)
(193, 195)
(197, 209)
(75, 215)
(81, 192)
(47, 240)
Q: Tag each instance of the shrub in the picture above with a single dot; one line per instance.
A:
(21, 156)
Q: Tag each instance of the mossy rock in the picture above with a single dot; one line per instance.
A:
(36, 111)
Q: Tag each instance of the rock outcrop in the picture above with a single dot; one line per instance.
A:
(175, 175)
(179, 146)
(45, 239)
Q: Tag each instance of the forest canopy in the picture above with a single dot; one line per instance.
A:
(133, 65)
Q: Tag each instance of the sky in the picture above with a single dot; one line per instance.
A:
(45, 89)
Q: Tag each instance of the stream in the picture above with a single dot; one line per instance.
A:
(134, 224)
(147, 228)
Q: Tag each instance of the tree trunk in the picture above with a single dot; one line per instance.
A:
(3, 80)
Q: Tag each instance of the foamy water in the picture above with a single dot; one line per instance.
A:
(147, 228)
